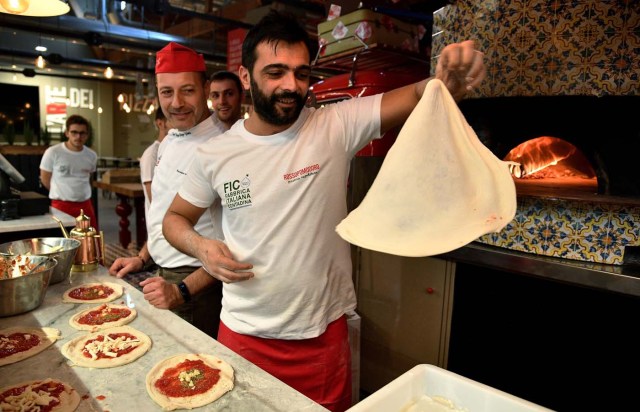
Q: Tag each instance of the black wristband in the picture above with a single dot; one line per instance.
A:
(184, 291)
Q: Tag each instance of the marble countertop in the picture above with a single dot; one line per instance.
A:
(123, 387)
(38, 222)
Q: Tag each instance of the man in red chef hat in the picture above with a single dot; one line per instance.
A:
(181, 284)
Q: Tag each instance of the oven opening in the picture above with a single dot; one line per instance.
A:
(548, 160)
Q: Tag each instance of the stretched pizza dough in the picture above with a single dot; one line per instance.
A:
(73, 350)
(106, 307)
(69, 399)
(46, 336)
(117, 292)
(169, 403)
(438, 189)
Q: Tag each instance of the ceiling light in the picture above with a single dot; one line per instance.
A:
(108, 72)
(40, 62)
(37, 8)
(41, 48)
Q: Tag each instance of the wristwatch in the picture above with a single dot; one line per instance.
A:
(184, 291)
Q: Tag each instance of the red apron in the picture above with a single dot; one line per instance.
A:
(319, 368)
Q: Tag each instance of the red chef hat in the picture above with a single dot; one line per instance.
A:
(175, 58)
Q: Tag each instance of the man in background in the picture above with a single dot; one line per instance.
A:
(226, 94)
(181, 284)
(150, 156)
(66, 168)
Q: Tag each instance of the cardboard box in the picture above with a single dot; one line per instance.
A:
(352, 31)
(464, 394)
(121, 176)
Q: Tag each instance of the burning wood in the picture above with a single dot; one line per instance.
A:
(549, 157)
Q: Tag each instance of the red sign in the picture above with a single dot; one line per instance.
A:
(235, 38)
(56, 108)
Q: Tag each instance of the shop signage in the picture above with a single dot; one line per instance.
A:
(57, 99)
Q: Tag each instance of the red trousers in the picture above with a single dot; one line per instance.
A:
(319, 368)
(73, 209)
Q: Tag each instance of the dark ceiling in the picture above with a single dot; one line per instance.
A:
(96, 34)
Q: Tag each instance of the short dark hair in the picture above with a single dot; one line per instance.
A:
(227, 75)
(76, 119)
(273, 28)
(160, 114)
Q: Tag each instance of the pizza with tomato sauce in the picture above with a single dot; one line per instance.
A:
(21, 342)
(107, 315)
(108, 348)
(93, 293)
(47, 395)
(188, 381)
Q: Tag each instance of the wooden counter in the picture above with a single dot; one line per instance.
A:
(126, 191)
(123, 388)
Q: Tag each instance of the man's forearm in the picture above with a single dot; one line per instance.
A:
(180, 233)
(198, 281)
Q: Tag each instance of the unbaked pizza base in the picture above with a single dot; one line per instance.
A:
(439, 188)
(117, 292)
(47, 337)
(224, 385)
(73, 349)
(69, 398)
(73, 321)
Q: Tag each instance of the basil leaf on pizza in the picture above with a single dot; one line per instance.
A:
(188, 381)
(108, 348)
(107, 315)
(93, 293)
(21, 342)
(41, 395)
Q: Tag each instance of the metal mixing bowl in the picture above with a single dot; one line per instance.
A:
(60, 248)
(24, 293)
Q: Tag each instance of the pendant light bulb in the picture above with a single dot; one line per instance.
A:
(40, 63)
(121, 98)
(15, 6)
(108, 72)
(35, 8)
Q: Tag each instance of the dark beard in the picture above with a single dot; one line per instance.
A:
(265, 106)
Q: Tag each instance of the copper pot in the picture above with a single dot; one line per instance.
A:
(91, 250)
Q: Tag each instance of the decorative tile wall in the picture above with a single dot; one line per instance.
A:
(547, 48)
(584, 231)
(537, 47)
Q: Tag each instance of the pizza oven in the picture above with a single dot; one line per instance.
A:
(561, 93)
(578, 192)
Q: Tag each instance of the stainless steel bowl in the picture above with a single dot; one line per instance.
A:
(60, 248)
(24, 293)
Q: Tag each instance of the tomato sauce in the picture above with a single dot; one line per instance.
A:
(119, 352)
(54, 389)
(170, 384)
(17, 343)
(99, 316)
(91, 293)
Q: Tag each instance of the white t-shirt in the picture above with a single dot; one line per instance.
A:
(282, 197)
(147, 165)
(175, 154)
(70, 172)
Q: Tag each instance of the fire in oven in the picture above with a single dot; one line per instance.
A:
(578, 195)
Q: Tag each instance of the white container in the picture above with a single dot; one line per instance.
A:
(435, 382)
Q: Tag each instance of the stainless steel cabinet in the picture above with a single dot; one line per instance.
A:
(405, 305)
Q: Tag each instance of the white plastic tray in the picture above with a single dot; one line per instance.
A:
(430, 380)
